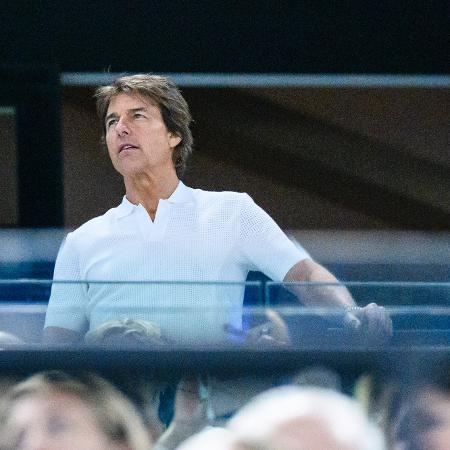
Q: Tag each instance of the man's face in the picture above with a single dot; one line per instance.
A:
(137, 138)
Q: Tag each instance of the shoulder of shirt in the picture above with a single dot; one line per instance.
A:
(94, 225)
(220, 196)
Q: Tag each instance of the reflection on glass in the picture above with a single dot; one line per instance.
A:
(164, 314)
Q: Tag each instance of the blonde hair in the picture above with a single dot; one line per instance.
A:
(126, 331)
(9, 339)
(115, 414)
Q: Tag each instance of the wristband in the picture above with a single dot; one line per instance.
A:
(353, 308)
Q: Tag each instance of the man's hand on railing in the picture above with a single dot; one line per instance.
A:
(371, 323)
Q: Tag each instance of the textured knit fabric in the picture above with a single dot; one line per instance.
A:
(197, 236)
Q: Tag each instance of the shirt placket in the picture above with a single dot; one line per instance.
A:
(153, 230)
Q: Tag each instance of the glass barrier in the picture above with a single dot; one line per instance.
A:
(181, 313)
(420, 312)
(237, 340)
(227, 315)
(383, 293)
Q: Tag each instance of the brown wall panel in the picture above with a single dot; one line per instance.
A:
(91, 186)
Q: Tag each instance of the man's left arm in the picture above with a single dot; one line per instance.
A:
(326, 291)
(265, 247)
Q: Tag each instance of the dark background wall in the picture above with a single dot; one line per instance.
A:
(314, 158)
(300, 36)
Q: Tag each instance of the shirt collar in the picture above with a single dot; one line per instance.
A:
(182, 194)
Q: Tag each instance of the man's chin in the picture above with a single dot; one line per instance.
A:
(128, 167)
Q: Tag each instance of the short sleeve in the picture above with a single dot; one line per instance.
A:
(68, 298)
(264, 244)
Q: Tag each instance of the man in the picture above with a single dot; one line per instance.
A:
(166, 231)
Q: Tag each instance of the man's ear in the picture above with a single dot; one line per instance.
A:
(174, 140)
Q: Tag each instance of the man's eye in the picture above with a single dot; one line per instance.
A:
(137, 115)
(110, 122)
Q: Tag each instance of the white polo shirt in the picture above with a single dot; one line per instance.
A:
(197, 236)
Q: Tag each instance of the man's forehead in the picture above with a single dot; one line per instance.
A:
(130, 101)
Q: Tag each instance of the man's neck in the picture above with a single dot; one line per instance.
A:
(148, 190)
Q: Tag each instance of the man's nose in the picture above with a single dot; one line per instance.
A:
(122, 127)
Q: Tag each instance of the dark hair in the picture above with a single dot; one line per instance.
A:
(166, 96)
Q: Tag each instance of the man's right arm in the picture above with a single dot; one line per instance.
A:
(57, 335)
(65, 316)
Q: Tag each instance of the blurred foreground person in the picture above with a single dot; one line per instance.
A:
(190, 409)
(8, 339)
(295, 418)
(318, 376)
(190, 414)
(126, 333)
(424, 420)
(213, 438)
(54, 411)
(135, 334)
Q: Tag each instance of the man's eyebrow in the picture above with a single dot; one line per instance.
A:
(141, 108)
(132, 110)
(109, 116)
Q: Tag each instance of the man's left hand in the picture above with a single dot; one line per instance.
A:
(371, 322)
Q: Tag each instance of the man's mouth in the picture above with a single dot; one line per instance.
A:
(126, 147)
